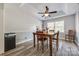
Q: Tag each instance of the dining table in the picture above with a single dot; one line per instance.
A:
(49, 35)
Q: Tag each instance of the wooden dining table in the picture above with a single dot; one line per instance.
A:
(49, 35)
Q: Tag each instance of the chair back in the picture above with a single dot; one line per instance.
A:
(39, 36)
(56, 36)
(51, 31)
(70, 32)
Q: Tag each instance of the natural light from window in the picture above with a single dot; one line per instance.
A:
(57, 26)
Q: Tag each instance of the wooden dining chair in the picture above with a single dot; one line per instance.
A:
(56, 39)
(70, 36)
(41, 38)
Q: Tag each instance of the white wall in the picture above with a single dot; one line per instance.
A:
(77, 27)
(20, 20)
(70, 8)
(1, 30)
(16, 20)
(69, 22)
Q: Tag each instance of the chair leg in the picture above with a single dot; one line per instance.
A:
(47, 43)
(37, 44)
(42, 46)
(69, 38)
(65, 38)
(57, 45)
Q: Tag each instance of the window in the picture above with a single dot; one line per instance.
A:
(50, 25)
(57, 26)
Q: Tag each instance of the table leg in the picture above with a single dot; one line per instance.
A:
(50, 45)
(42, 45)
(57, 44)
(34, 39)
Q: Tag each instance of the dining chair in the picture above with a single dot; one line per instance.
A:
(42, 39)
(56, 39)
(70, 36)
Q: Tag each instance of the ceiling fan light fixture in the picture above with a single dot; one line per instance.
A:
(46, 14)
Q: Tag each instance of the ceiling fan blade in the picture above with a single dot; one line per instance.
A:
(53, 12)
(49, 15)
(43, 15)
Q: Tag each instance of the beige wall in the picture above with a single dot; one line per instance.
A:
(1, 29)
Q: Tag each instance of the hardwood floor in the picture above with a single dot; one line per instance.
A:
(27, 49)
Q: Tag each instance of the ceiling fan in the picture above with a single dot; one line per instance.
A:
(47, 13)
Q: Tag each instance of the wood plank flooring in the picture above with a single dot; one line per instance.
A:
(27, 49)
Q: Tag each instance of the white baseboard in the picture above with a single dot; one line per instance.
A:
(23, 41)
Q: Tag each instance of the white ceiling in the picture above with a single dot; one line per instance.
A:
(52, 6)
(40, 7)
(62, 8)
